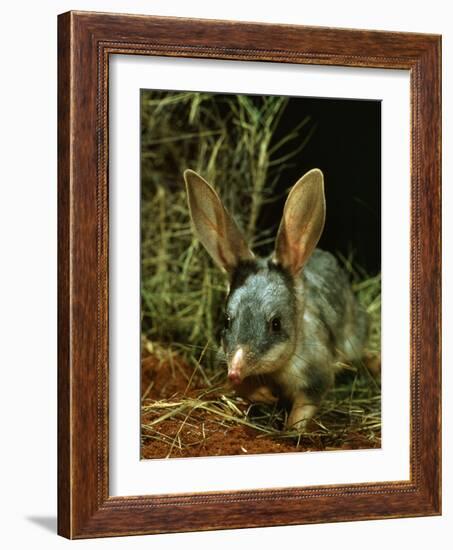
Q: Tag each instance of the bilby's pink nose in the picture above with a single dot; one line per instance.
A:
(235, 370)
(234, 376)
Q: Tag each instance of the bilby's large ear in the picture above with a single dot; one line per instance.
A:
(215, 228)
(302, 223)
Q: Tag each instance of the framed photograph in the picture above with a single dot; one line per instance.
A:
(249, 275)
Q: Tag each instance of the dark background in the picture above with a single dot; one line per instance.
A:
(346, 146)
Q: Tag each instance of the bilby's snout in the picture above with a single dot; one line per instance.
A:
(236, 369)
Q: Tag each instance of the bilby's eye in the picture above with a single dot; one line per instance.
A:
(276, 324)
(227, 322)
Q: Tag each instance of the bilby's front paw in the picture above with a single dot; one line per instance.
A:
(256, 391)
(299, 418)
(263, 394)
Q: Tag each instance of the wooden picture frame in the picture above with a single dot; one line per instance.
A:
(85, 42)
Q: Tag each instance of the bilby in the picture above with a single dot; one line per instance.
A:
(290, 317)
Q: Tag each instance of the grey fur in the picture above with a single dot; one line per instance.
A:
(333, 327)
(264, 295)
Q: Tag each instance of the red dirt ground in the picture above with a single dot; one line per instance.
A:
(202, 434)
